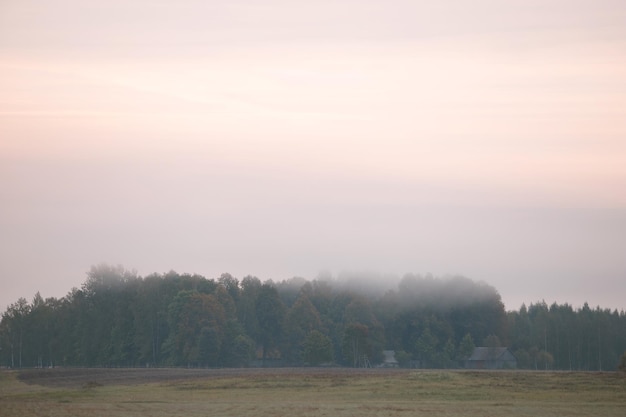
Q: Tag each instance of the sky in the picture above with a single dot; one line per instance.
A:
(287, 138)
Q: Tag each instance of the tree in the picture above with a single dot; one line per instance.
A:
(246, 305)
(426, 348)
(448, 354)
(303, 315)
(106, 277)
(196, 323)
(209, 346)
(466, 347)
(39, 322)
(270, 313)
(359, 310)
(318, 348)
(224, 297)
(492, 342)
(243, 350)
(150, 317)
(231, 284)
(524, 361)
(105, 324)
(237, 348)
(14, 320)
(119, 319)
(355, 343)
(543, 359)
(301, 319)
(289, 290)
(403, 358)
(622, 363)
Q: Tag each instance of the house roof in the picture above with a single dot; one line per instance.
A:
(490, 353)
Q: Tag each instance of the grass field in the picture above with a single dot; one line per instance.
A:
(308, 392)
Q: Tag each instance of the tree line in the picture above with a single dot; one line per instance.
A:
(119, 319)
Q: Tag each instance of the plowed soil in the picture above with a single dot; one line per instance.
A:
(85, 377)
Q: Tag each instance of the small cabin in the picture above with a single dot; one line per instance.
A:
(491, 358)
(389, 359)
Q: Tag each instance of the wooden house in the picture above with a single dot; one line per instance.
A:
(491, 358)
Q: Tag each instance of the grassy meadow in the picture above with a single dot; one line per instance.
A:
(308, 392)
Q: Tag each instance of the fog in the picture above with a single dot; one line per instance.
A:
(363, 139)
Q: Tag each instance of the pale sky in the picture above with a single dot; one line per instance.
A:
(485, 138)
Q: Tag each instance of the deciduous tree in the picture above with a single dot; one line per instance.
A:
(270, 313)
(318, 348)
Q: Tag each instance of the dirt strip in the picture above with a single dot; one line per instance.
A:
(81, 377)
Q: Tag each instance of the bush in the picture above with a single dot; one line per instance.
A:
(403, 358)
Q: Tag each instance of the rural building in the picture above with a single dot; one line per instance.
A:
(491, 358)
(389, 359)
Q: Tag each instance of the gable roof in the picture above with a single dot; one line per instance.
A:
(490, 354)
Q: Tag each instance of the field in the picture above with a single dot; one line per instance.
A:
(308, 392)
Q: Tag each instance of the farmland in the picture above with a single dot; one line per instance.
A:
(308, 392)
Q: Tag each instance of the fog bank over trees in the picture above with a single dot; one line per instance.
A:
(118, 318)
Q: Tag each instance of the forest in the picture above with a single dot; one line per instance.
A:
(119, 319)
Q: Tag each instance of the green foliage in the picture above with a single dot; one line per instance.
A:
(466, 348)
(14, 326)
(544, 360)
(571, 339)
(195, 318)
(359, 310)
(492, 341)
(237, 348)
(209, 346)
(403, 358)
(448, 355)
(119, 319)
(355, 344)
(302, 318)
(231, 284)
(524, 361)
(318, 348)
(246, 305)
(427, 348)
(303, 315)
(270, 313)
(242, 351)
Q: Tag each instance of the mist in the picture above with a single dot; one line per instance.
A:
(458, 139)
